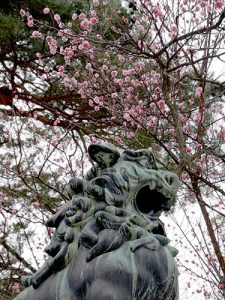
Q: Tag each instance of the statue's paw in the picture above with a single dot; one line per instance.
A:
(89, 234)
(162, 239)
(81, 203)
(27, 280)
(148, 242)
(76, 185)
(31, 280)
(172, 250)
(36, 283)
(52, 249)
(42, 273)
(59, 261)
(109, 221)
(54, 220)
(77, 217)
(96, 191)
(70, 212)
(131, 232)
(69, 235)
(108, 241)
(120, 212)
(141, 221)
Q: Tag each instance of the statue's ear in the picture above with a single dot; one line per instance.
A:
(104, 155)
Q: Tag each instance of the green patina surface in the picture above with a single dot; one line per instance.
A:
(111, 225)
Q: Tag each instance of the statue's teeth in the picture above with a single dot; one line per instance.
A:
(152, 185)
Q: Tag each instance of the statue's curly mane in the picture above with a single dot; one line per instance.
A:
(115, 207)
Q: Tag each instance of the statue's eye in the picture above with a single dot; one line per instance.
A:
(147, 200)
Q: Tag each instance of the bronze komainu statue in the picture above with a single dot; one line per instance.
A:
(109, 242)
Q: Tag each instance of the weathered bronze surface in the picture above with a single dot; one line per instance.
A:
(109, 242)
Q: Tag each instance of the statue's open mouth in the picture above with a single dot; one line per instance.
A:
(147, 200)
(157, 193)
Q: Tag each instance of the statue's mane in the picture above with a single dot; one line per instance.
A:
(119, 201)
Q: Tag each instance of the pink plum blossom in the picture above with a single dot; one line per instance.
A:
(118, 140)
(57, 121)
(127, 117)
(203, 3)
(161, 104)
(82, 16)
(69, 52)
(92, 138)
(152, 122)
(16, 288)
(46, 69)
(174, 29)
(198, 118)
(105, 68)
(57, 18)
(38, 55)
(114, 95)
(53, 143)
(188, 149)
(125, 72)
(96, 100)
(221, 286)
(157, 76)
(74, 16)
(36, 204)
(85, 23)
(157, 90)
(152, 105)
(22, 13)
(88, 66)
(219, 4)
(36, 34)
(85, 45)
(94, 13)
(67, 81)
(30, 21)
(95, 3)
(198, 92)
(53, 50)
(52, 44)
(121, 58)
(93, 21)
(46, 10)
(157, 12)
(114, 73)
(91, 103)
